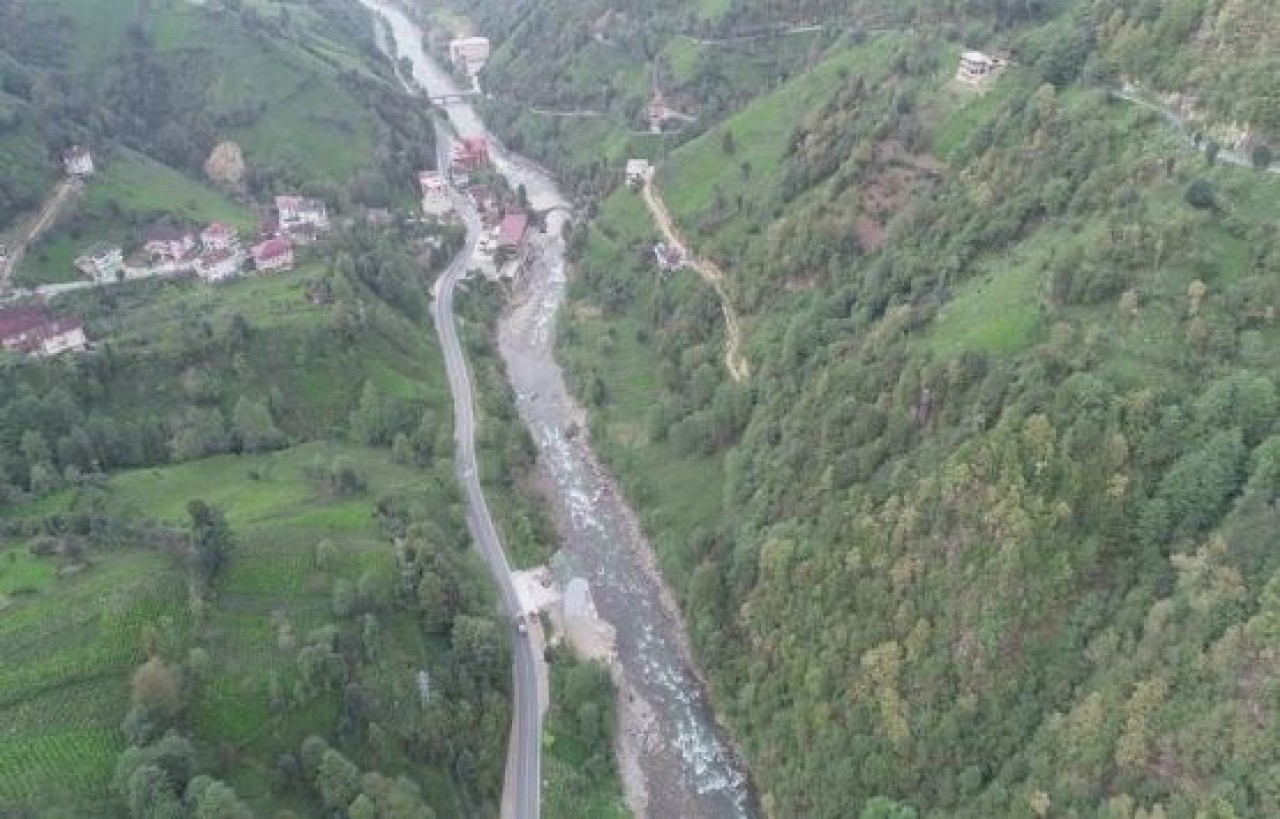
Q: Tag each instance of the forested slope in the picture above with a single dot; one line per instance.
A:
(987, 533)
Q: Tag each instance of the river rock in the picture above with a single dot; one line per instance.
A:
(225, 167)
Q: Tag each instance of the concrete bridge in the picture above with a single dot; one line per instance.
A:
(453, 98)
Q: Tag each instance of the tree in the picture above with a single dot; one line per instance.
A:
(254, 427)
(337, 779)
(1261, 156)
(1211, 151)
(157, 689)
(344, 598)
(1200, 195)
(211, 541)
(151, 796)
(208, 798)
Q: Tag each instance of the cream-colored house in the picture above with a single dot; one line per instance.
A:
(977, 68)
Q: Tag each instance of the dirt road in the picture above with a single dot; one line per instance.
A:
(712, 274)
(49, 213)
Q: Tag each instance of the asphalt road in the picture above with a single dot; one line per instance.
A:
(524, 758)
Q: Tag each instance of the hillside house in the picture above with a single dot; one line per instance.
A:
(977, 69)
(469, 54)
(511, 232)
(273, 254)
(471, 154)
(168, 242)
(639, 171)
(77, 161)
(218, 265)
(435, 194)
(30, 330)
(103, 262)
(219, 236)
(300, 215)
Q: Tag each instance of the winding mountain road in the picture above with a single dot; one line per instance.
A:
(524, 757)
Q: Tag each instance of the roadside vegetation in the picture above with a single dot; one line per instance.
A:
(504, 446)
(580, 775)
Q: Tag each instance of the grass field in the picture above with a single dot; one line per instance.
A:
(68, 651)
(70, 647)
(21, 573)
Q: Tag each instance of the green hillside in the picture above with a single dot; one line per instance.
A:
(300, 88)
(985, 533)
(260, 661)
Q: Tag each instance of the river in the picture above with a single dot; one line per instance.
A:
(686, 767)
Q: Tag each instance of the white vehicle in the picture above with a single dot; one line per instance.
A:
(520, 625)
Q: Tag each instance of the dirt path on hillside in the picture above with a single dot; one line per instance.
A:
(49, 213)
(712, 274)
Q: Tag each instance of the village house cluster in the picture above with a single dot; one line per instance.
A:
(31, 330)
(214, 253)
(503, 248)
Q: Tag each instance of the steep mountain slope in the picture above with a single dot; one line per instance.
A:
(290, 83)
(986, 532)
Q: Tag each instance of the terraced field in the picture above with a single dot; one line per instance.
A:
(70, 646)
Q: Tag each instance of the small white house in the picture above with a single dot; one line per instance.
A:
(63, 336)
(217, 265)
(977, 68)
(298, 214)
(77, 161)
(639, 171)
(102, 262)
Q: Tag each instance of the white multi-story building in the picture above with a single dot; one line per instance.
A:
(469, 54)
(77, 161)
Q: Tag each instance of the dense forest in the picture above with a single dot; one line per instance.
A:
(986, 532)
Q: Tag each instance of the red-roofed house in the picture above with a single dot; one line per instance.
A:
(219, 236)
(273, 254)
(30, 330)
(511, 231)
(164, 240)
(472, 153)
